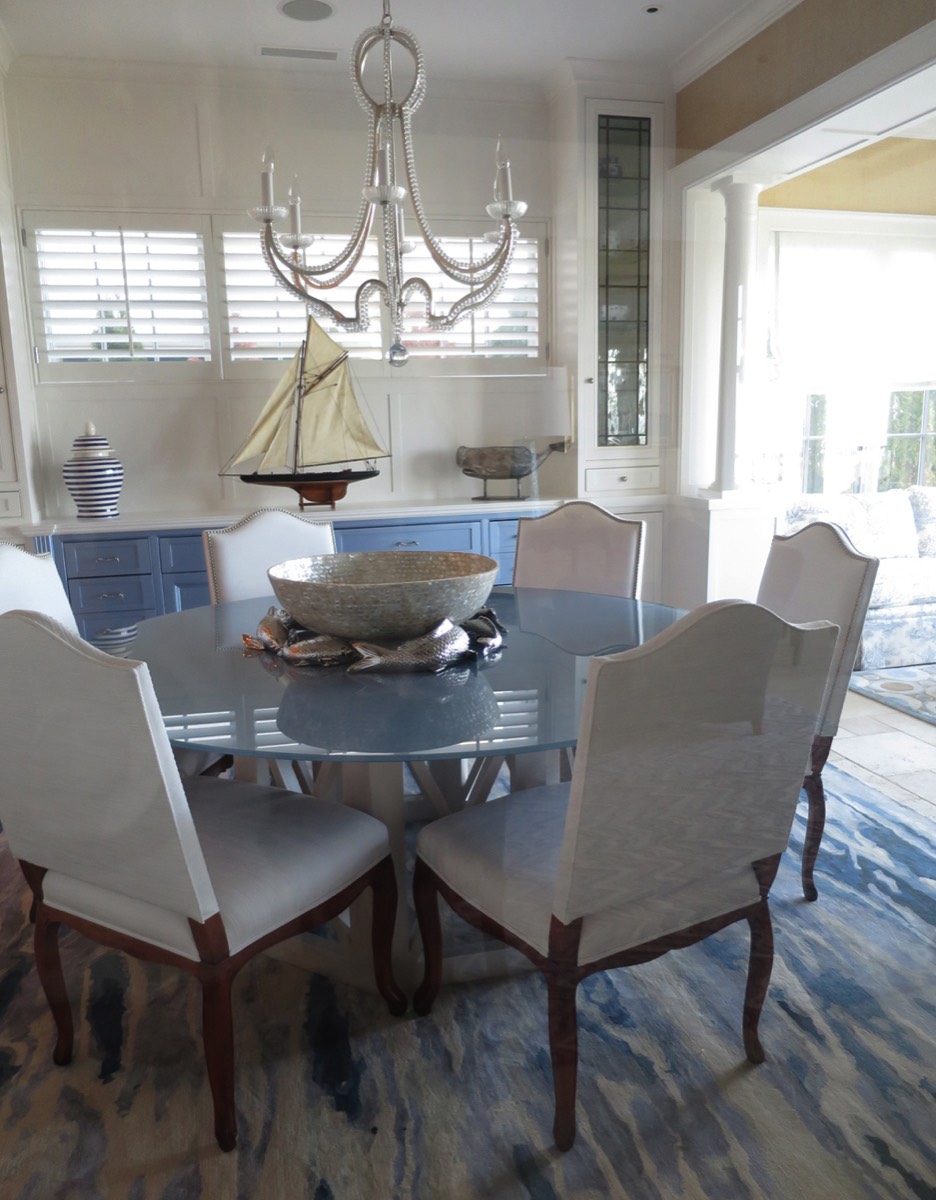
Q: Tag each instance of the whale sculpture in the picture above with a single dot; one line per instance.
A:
(502, 462)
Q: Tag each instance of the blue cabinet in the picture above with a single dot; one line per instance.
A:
(115, 580)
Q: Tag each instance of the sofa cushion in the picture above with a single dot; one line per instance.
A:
(880, 524)
(903, 581)
(923, 503)
(889, 528)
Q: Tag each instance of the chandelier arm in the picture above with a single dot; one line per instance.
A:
(459, 270)
(356, 324)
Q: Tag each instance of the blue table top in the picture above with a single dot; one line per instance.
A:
(214, 696)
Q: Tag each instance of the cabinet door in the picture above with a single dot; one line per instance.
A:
(503, 540)
(185, 589)
(619, 325)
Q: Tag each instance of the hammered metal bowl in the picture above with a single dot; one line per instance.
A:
(382, 594)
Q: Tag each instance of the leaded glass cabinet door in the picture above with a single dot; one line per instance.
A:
(623, 279)
(619, 419)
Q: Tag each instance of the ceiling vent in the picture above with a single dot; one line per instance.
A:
(289, 52)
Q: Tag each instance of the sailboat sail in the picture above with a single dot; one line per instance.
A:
(312, 418)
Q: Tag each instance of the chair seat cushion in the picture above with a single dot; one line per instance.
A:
(271, 855)
(503, 858)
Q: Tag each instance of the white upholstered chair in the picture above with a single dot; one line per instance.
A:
(200, 874)
(31, 581)
(239, 556)
(680, 805)
(811, 575)
(580, 547)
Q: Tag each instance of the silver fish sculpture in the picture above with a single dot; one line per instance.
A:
(434, 651)
(319, 651)
(272, 631)
(485, 630)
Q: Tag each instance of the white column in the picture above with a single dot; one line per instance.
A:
(737, 289)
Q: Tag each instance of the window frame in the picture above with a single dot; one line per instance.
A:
(137, 370)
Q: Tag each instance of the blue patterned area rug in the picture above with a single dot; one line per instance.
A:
(339, 1101)
(910, 689)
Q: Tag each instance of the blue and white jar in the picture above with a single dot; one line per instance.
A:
(93, 475)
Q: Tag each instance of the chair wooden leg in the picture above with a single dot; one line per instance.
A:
(384, 890)
(49, 966)
(218, 1036)
(426, 899)
(760, 966)
(815, 820)
(563, 1050)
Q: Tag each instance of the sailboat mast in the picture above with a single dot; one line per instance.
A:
(297, 428)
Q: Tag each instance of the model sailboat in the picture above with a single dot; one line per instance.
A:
(311, 429)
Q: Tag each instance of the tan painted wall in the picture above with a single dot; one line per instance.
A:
(812, 43)
(896, 175)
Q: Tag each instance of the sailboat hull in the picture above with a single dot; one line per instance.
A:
(314, 487)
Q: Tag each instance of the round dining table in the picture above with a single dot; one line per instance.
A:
(365, 737)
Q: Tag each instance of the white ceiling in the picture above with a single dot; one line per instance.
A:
(520, 41)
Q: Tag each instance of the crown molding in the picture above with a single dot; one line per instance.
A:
(725, 38)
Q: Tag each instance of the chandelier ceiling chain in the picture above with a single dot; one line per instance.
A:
(389, 131)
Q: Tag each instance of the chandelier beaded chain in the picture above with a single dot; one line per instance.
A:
(389, 129)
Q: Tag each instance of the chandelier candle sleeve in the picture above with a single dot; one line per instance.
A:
(389, 162)
(266, 179)
(295, 217)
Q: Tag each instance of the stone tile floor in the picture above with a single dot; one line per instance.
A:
(888, 750)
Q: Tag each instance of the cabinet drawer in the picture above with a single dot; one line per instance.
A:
(461, 535)
(109, 556)
(113, 593)
(622, 479)
(182, 552)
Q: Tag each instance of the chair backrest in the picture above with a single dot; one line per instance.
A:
(676, 784)
(31, 581)
(580, 547)
(238, 557)
(816, 574)
(88, 785)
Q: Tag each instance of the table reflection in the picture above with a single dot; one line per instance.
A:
(214, 695)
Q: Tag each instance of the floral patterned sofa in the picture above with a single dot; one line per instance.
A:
(899, 528)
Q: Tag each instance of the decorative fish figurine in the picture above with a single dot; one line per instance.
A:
(434, 651)
(273, 631)
(319, 650)
(485, 630)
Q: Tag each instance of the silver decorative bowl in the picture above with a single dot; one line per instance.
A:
(382, 594)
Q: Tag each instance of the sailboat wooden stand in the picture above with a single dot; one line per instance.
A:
(311, 420)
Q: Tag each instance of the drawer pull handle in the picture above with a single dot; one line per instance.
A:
(623, 479)
(111, 596)
(406, 543)
(113, 558)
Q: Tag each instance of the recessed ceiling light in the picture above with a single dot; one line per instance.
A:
(652, 8)
(306, 10)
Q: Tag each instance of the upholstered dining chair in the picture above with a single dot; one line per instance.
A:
(679, 808)
(817, 574)
(580, 547)
(238, 557)
(199, 874)
(31, 581)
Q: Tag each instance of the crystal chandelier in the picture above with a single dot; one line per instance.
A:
(389, 136)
